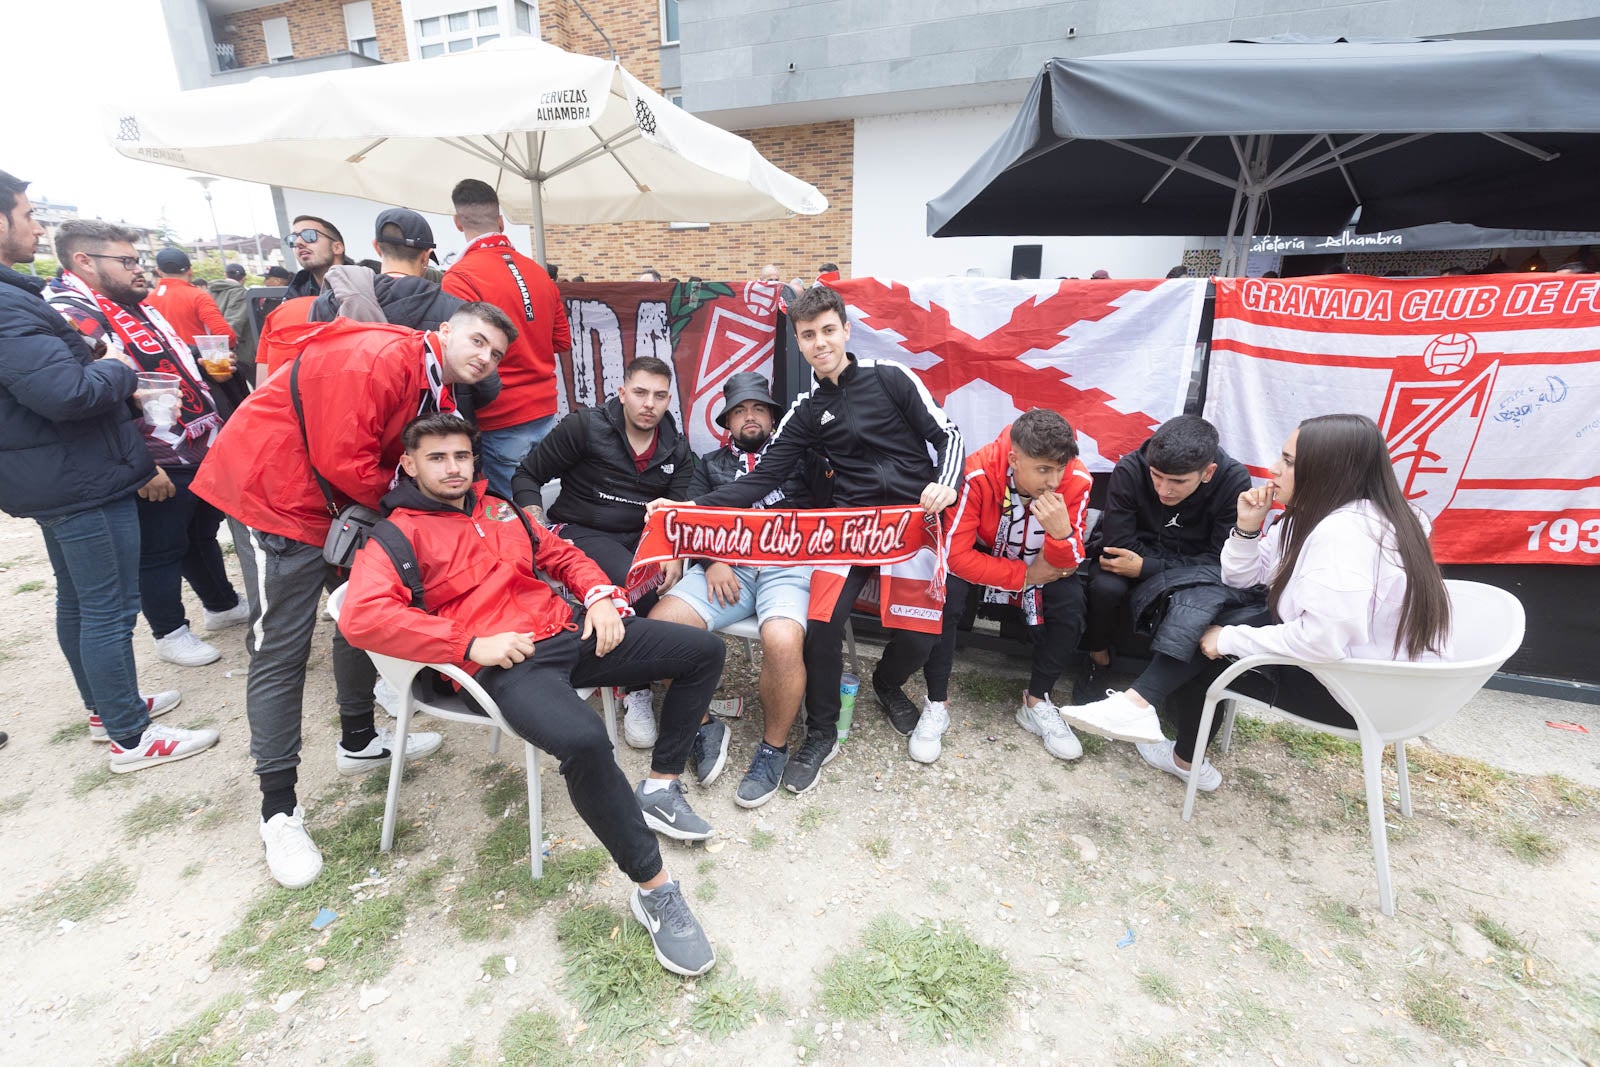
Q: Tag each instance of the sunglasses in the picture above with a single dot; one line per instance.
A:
(309, 236)
(128, 262)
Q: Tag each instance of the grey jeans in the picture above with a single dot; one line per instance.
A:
(284, 580)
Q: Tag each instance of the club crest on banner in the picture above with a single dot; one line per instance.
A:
(1432, 413)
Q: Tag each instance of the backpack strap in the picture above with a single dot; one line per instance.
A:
(398, 548)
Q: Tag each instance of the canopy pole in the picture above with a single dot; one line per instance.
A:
(536, 187)
(1238, 247)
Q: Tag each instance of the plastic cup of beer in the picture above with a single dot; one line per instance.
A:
(159, 397)
(215, 356)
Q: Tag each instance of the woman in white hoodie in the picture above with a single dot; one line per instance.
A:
(1349, 576)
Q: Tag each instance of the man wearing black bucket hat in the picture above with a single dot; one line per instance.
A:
(713, 595)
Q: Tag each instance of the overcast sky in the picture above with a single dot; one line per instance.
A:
(76, 60)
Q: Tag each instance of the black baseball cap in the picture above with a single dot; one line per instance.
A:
(234, 271)
(279, 272)
(414, 229)
(172, 261)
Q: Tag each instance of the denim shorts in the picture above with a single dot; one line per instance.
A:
(765, 592)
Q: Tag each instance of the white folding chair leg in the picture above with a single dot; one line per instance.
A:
(535, 812)
(1226, 740)
(1405, 780)
(397, 768)
(1197, 759)
(749, 652)
(1372, 771)
(608, 704)
(494, 742)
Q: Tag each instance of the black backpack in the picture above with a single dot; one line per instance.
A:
(398, 548)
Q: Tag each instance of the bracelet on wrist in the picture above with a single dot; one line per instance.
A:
(1246, 535)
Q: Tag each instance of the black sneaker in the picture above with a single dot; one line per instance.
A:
(667, 811)
(1090, 685)
(903, 714)
(681, 946)
(709, 753)
(761, 781)
(804, 766)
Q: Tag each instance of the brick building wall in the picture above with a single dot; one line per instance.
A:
(316, 28)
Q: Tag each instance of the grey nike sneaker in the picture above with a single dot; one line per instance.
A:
(709, 753)
(681, 946)
(667, 811)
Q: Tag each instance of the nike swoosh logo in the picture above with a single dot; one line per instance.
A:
(673, 818)
(651, 921)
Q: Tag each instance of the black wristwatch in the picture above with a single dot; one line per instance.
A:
(1245, 535)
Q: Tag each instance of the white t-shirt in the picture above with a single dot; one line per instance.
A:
(1343, 600)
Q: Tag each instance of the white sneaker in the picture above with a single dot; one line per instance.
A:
(292, 856)
(639, 724)
(160, 744)
(386, 696)
(1043, 720)
(154, 706)
(237, 615)
(419, 743)
(1160, 756)
(1116, 717)
(185, 649)
(925, 743)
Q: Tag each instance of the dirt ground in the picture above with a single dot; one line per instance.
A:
(140, 925)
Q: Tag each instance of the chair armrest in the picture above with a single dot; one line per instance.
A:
(1248, 663)
(470, 685)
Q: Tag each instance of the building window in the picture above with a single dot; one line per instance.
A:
(669, 21)
(361, 34)
(457, 31)
(527, 17)
(275, 34)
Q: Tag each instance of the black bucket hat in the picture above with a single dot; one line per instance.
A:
(746, 385)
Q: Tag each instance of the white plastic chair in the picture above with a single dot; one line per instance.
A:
(403, 676)
(1390, 701)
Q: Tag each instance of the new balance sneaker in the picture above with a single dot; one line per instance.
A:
(639, 721)
(903, 714)
(1116, 717)
(158, 745)
(292, 857)
(926, 741)
(154, 706)
(1043, 720)
(761, 781)
(237, 615)
(419, 743)
(667, 811)
(806, 764)
(681, 946)
(185, 649)
(1161, 756)
(709, 753)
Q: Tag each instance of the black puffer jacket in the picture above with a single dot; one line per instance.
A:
(68, 439)
(1189, 533)
(721, 466)
(874, 426)
(600, 486)
(1179, 603)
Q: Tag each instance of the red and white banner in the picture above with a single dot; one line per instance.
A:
(1487, 389)
(1114, 357)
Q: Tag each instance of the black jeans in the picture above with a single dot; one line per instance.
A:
(613, 552)
(178, 541)
(537, 699)
(1107, 608)
(906, 652)
(1053, 642)
(1182, 686)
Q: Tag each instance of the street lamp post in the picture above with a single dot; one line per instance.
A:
(205, 181)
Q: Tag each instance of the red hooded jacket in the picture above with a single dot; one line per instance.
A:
(360, 383)
(977, 519)
(478, 578)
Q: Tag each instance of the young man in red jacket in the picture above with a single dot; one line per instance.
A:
(1018, 531)
(490, 269)
(359, 384)
(484, 606)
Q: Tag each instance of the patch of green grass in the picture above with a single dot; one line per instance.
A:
(611, 972)
(814, 818)
(191, 870)
(66, 735)
(1250, 1019)
(1279, 953)
(1433, 1005)
(1247, 729)
(89, 781)
(1148, 1052)
(1093, 745)
(1259, 784)
(158, 813)
(1342, 917)
(1313, 747)
(939, 887)
(461, 1055)
(984, 688)
(726, 1003)
(1571, 793)
(376, 784)
(531, 1039)
(1529, 845)
(1498, 936)
(1159, 987)
(502, 890)
(943, 984)
(706, 891)
(423, 886)
(14, 803)
(183, 1046)
(1351, 955)
(105, 885)
(29, 587)
(877, 847)
(504, 790)
(494, 966)
(761, 840)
